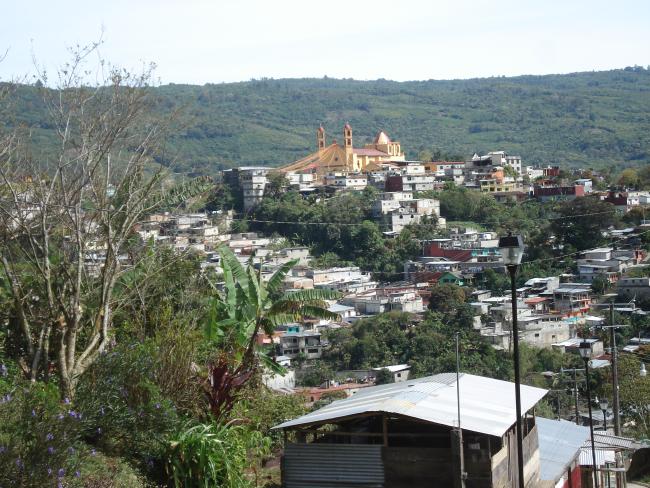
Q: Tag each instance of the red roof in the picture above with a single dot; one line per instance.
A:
(535, 300)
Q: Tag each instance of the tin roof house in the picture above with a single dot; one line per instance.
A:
(406, 434)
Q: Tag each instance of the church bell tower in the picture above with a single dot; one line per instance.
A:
(320, 136)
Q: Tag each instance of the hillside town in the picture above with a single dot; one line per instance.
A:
(359, 245)
(558, 313)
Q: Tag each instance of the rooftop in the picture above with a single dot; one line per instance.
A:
(559, 444)
(487, 405)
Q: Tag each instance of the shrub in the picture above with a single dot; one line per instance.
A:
(125, 413)
(40, 436)
(207, 455)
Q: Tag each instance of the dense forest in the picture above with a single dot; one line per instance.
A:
(592, 119)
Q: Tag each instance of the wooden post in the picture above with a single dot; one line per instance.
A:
(384, 422)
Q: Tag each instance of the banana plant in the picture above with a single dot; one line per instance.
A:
(245, 308)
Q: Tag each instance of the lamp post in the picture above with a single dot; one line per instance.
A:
(585, 353)
(603, 406)
(512, 250)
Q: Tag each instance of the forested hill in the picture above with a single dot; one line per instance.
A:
(592, 119)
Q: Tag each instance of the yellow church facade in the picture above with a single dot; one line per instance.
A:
(346, 158)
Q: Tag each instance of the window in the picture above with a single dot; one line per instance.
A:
(536, 335)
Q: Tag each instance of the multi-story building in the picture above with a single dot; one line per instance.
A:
(411, 182)
(572, 299)
(346, 181)
(557, 193)
(346, 279)
(634, 287)
(297, 341)
(605, 262)
(251, 180)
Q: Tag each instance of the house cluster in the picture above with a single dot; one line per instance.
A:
(456, 259)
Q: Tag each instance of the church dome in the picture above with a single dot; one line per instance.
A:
(382, 138)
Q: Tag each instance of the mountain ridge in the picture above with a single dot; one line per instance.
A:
(589, 119)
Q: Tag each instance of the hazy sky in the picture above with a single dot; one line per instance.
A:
(201, 41)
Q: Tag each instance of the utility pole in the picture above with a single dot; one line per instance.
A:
(575, 390)
(615, 398)
(461, 455)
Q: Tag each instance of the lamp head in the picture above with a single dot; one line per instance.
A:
(512, 249)
(604, 404)
(585, 349)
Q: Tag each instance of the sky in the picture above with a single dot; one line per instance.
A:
(202, 41)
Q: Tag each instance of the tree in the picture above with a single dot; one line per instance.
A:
(581, 222)
(635, 393)
(599, 285)
(384, 376)
(446, 298)
(67, 216)
(241, 312)
(629, 178)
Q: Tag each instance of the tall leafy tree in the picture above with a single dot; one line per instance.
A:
(581, 222)
(247, 307)
(66, 221)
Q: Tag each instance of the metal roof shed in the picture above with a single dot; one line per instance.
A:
(559, 446)
(487, 405)
(406, 435)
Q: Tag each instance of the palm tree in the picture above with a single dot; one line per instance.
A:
(247, 307)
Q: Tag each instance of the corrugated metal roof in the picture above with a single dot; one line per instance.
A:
(487, 405)
(603, 440)
(602, 456)
(559, 445)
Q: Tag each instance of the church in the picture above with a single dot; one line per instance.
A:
(335, 158)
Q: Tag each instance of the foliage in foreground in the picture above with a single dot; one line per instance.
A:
(208, 455)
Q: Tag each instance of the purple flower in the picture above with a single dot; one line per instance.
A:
(49, 471)
(59, 485)
(50, 450)
(150, 463)
(33, 413)
(19, 463)
(49, 437)
(71, 450)
(77, 474)
(61, 416)
(2, 449)
(66, 400)
(3, 370)
(157, 405)
(61, 473)
(72, 414)
(93, 452)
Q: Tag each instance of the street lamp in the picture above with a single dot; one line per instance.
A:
(512, 250)
(603, 406)
(585, 353)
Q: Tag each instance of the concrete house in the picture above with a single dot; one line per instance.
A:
(404, 434)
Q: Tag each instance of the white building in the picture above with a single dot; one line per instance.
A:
(400, 372)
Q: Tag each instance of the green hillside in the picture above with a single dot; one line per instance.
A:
(591, 119)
